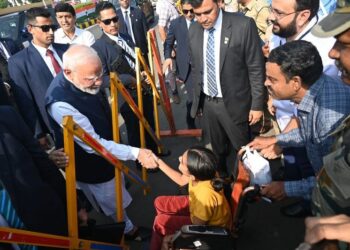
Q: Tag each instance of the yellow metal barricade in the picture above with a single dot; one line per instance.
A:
(116, 84)
(154, 57)
(71, 129)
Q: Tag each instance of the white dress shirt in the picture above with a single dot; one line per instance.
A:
(217, 38)
(47, 59)
(128, 17)
(83, 37)
(58, 110)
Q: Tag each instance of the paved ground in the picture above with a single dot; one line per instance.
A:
(264, 229)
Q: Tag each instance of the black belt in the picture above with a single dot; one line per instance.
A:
(213, 98)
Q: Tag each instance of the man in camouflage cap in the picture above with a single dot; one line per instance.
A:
(337, 24)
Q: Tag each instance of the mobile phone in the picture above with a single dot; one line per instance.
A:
(204, 229)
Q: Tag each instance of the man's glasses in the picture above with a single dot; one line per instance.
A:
(279, 15)
(46, 28)
(108, 21)
(93, 80)
(187, 11)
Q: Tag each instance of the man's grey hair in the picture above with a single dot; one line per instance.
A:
(79, 55)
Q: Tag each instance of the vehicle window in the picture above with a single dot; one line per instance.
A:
(9, 27)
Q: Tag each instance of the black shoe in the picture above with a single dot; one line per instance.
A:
(165, 153)
(298, 209)
(141, 234)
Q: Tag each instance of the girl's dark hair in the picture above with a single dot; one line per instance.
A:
(202, 164)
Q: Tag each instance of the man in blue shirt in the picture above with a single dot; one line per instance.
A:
(294, 72)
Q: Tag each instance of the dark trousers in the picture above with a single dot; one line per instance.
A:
(225, 136)
(296, 164)
(189, 88)
(132, 122)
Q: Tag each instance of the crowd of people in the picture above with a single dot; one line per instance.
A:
(279, 60)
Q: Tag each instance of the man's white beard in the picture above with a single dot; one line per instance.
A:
(92, 91)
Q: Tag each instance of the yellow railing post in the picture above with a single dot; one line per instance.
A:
(140, 105)
(155, 93)
(72, 215)
(115, 127)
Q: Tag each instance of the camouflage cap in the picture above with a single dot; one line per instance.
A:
(335, 23)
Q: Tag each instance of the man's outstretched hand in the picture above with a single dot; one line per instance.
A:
(146, 159)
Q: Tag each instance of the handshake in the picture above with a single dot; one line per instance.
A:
(148, 159)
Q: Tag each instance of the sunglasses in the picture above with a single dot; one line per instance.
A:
(108, 21)
(46, 28)
(186, 11)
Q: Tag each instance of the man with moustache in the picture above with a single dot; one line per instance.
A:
(294, 72)
(331, 195)
(293, 20)
(75, 92)
(337, 24)
(33, 68)
(228, 74)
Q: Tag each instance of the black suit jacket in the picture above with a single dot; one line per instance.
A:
(178, 32)
(12, 49)
(36, 187)
(9, 45)
(242, 66)
(139, 27)
(31, 78)
(111, 54)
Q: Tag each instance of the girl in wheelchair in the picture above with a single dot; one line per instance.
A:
(206, 203)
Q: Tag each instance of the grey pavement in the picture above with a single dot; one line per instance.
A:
(265, 228)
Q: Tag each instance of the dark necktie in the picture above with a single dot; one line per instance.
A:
(127, 23)
(210, 62)
(55, 64)
(129, 54)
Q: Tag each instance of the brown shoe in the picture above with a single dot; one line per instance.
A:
(176, 99)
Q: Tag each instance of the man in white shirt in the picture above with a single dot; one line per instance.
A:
(75, 92)
(68, 33)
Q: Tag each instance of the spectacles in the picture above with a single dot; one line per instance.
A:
(187, 11)
(108, 21)
(93, 80)
(46, 28)
(279, 15)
